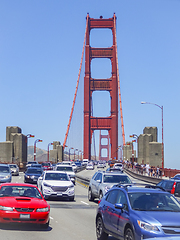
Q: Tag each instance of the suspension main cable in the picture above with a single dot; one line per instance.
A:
(120, 102)
(77, 84)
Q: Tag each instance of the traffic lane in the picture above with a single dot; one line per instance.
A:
(68, 220)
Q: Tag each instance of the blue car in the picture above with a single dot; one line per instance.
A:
(137, 212)
(32, 174)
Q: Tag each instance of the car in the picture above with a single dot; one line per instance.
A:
(102, 181)
(56, 184)
(100, 164)
(14, 169)
(78, 164)
(67, 169)
(37, 165)
(118, 165)
(32, 174)
(46, 166)
(112, 169)
(5, 173)
(170, 185)
(30, 162)
(64, 163)
(137, 212)
(89, 166)
(23, 203)
(177, 176)
(74, 166)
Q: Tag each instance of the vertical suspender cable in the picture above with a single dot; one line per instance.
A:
(120, 102)
(72, 109)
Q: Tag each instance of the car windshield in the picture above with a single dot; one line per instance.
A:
(4, 169)
(13, 166)
(34, 170)
(116, 179)
(19, 191)
(63, 168)
(148, 201)
(57, 176)
(45, 164)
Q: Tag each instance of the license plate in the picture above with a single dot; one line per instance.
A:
(24, 216)
(59, 194)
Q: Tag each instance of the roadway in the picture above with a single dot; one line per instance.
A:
(68, 220)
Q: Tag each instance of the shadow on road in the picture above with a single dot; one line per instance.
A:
(24, 227)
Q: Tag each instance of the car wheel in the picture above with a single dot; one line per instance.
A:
(100, 195)
(90, 195)
(45, 226)
(129, 234)
(100, 233)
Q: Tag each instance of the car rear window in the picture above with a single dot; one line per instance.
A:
(116, 179)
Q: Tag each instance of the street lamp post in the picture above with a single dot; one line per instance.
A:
(78, 154)
(69, 152)
(135, 136)
(161, 107)
(48, 151)
(37, 140)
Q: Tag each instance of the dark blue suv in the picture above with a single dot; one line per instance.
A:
(133, 212)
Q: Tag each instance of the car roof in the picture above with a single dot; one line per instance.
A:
(113, 173)
(53, 171)
(133, 187)
(4, 164)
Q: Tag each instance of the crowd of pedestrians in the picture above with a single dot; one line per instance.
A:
(145, 169)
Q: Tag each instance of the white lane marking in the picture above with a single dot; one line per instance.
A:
(51, 218)
(85, 203)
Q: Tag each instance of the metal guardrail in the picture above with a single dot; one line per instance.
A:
(153, 180)
(144, 178)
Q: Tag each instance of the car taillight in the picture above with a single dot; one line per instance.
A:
(173, 188)
(99, 201)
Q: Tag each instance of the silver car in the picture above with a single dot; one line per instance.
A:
(14, 169)
(67, 169)
(56, 184)
(102, 181)
(5, 173)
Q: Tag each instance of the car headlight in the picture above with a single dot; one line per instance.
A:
(46, 209)
(46, 185)
(8, 176)
(27, 176)
(6, 208)
(148, 227)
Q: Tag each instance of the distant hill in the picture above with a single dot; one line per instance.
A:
(41, 154)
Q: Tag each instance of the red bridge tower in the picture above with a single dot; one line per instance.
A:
(111, 84)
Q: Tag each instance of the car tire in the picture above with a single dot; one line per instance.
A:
(129, 234)
(45, 226)
(100, 233)
(71, 198)
(90, 195)
(100, 195)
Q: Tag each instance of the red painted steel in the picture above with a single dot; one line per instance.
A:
(92, 123)
(103, 146)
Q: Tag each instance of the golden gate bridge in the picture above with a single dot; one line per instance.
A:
(86, 123)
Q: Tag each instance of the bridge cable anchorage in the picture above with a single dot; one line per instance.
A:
(77, 84)
(120, 102)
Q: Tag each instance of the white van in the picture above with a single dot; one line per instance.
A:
(85, 161)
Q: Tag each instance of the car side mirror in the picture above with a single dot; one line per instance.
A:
(99, 181)
(40, 178)
(119, 206)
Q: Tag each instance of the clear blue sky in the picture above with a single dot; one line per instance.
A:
(40, 50)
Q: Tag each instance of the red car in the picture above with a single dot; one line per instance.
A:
(23, 203)
(46, 166)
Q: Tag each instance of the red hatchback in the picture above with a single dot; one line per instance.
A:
(23, 203)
